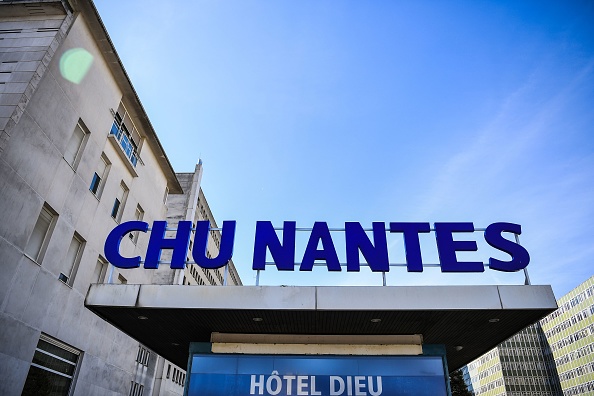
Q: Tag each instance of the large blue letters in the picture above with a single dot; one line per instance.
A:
(319, 233)
(447, 248)
(357, 243)
(201, 243)
(112, 244)
(283, 255)
(519, 256)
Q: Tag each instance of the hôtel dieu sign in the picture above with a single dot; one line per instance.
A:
(320, 246)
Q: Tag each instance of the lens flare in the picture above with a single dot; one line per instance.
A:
(75, 64)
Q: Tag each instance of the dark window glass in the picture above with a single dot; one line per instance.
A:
(51, 371)
(95, 183)
(116, 208)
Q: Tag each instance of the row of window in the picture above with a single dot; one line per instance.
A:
(583, 333)
(209, 277)
(73, 154)
(583, 314)
(74, 150)
(534, 381)
(486, 373)
(582, 389)
(136, 389)
(521, 351)
(178, 377)
(215, 235)
(195, 275)
(143, 355)
(231, 272)
(484, 359)
(524, 365)
(589, 292)
(490, 386)
(98, 182)
(578, 353)
(577, 372)
(47, 218)
(38, 241)
(219, 276)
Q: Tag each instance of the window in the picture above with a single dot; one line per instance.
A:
(100, 270)
(100, 175)
(138, 215)
(122, 280)
(38, 240)
(126, 134)
(168, 370)
(143, 355)
(52, 369)
(75, 145)
(72, 259)
(166, 195)
(120, 200)
(136, 389)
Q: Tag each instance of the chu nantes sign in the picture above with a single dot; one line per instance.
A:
(356, 240)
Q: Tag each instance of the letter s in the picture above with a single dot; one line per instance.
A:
(112, 244)
(519, 256)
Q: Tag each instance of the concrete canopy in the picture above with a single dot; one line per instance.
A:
(166, 318)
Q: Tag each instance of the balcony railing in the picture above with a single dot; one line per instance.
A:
(125, 143)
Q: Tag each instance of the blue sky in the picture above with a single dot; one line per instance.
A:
(378, 111)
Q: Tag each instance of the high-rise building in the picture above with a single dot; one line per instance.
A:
(190, 205)
(78, 156)
(560, 347)
(570, 333)
(518, 366)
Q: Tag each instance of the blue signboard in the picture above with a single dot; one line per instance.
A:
(280, 375)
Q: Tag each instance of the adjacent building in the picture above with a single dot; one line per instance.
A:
(189, 205)
(570, 333)
(554, 356)
(78, 156)
(520, 365)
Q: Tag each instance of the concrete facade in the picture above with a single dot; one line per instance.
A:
(570, 334)
(193, 206)
(521, 365)
(68, 176)
(561, 346)
(190, 205)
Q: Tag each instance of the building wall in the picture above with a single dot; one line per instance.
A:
(35, 174)
(570, 332)
(190, 205)
(30, 35)
(565, 342)
(521, 365)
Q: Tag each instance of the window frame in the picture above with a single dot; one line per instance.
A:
(102, 264)
(59, 344)
(81, 146)
(138, 216)
(98, 191)
(39, 255)
(119, 202)
(68, 279)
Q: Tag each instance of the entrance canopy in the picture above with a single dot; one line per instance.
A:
(468, 320)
